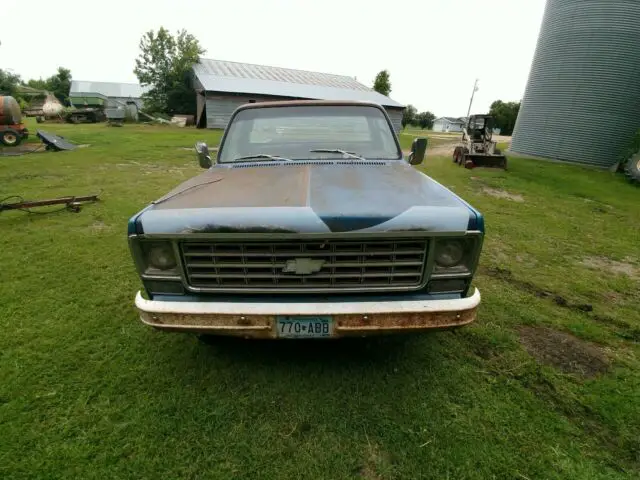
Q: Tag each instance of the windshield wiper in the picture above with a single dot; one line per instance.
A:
(263, 155)
(337, 150)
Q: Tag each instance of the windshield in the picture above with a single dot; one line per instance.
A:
(478, 123)
(293, 131)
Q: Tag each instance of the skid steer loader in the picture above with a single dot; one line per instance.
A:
(477, 149)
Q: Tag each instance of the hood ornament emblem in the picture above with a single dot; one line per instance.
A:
(303, 266)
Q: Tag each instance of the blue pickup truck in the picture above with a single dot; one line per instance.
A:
(308, 223)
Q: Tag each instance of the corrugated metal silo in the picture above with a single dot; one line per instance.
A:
(582, 101)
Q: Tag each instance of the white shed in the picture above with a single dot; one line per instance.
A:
(448, 124)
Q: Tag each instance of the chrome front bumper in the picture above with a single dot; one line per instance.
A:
(350, 318)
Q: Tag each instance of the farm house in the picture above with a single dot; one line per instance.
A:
(223, 86)
(448, 124)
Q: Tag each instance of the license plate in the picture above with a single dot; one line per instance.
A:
(304, 327)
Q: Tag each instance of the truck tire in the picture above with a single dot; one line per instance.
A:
(464, 157)
(632, 170)
(10, 138)
(457, 154)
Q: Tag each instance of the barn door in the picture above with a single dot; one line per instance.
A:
(201, 109)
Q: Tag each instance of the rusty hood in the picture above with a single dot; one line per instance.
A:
(309, 198)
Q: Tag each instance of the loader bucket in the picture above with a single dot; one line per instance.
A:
(487, 161)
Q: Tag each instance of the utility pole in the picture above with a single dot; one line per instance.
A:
(475, 89)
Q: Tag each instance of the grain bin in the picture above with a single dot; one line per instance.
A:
(582, 100)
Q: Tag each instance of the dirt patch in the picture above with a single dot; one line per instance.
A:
(619, 268)
(441, 150)
(563, 351)
(506, 276)
(99, 227)
(494, 192)
(437, 151)
(621, 328)
(30, 176)
(375, 463)
(501, 138)
(612, 297)
(526, 259)
(22, 149)
(449, 136)
(476, 344)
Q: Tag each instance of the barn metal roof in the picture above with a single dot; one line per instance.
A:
(107, 89)
(234, 77)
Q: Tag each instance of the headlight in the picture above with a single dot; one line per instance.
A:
(161, 257)
(156, 258)
(456, 256)
(449, 253)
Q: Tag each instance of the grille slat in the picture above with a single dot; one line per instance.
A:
(334, 265)
(298, 252)
(330, 264)
(315, 275)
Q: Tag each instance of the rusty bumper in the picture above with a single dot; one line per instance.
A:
(349, 318)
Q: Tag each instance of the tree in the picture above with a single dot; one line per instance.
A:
(409, 115)
(9, 83)
(60, 84)
(505, 115)
(38, 84)
(382, 84)
(165, 64)
(425, 120)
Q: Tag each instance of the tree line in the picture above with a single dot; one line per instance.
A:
(410, 116)
(504, 113)
(58, 84)
(165, 66)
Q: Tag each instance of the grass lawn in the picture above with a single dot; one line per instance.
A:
(546, 383)
(435, 138)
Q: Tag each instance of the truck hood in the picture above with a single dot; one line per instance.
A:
(374, 196)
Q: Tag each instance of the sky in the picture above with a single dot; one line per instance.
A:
(433, 49)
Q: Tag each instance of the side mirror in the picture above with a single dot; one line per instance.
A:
(202, 152)
(418, 149)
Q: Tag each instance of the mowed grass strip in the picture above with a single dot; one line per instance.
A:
(545, 384)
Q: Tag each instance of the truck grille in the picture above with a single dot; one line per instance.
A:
(305, 265)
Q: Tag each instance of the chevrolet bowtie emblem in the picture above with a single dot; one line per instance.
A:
(303, 266)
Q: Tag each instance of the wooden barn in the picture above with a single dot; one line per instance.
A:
(223, 86)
